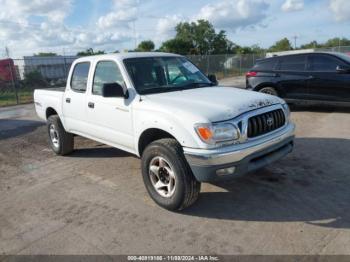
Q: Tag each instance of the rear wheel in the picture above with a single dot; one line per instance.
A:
(167, 175)
(61, 142)
(269, 91)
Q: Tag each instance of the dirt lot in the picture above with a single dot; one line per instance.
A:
(94, 201)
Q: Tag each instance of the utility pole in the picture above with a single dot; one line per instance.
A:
(295, 41)
(7, 52)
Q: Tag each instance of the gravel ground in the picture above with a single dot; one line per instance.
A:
(94, 201)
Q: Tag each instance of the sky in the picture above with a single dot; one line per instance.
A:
(68, 26)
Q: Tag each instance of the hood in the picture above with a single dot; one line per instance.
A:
(211, 103)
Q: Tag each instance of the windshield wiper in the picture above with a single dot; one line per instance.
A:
(162, 89)
(195, 85)
(165, 89)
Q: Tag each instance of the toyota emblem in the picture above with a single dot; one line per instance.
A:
(269, 121)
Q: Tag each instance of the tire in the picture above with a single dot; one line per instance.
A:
(61, 142)
(269, 91)
(163, 161)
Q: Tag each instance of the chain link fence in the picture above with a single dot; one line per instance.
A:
(19, 77)
(224, 66)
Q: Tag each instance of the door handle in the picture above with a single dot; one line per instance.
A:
(68, 100)
(311, 77)
(91, 105)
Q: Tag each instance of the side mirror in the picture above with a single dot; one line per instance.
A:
(343, 69)
(114, 90)
(213, 79)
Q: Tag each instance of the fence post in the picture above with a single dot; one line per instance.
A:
(240, 64)
(13, 82)
(208, 64)
(225, 65)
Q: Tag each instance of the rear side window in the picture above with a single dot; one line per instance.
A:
(80, 77)
(323, 63)
(292, 63)
(265, 64)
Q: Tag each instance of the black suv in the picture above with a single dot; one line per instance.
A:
(309, 77)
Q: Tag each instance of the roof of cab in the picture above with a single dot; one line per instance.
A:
(122, 56)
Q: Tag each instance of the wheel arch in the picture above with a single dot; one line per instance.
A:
(50, 111)
(269, 84)
(150, 135)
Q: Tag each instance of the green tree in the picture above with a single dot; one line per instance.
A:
(177, 46)
(312, 44)
(45, 54)
(89, 52)
(146, 46)
(334, 42)
(34, 79)
(281, 45)
(198, 38)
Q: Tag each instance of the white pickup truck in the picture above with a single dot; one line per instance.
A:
(162, 108)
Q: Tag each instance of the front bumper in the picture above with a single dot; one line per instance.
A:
(211, 165)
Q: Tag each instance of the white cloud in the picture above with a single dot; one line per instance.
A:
(293, 5)
(165, 27)
(50, 9)
(340, 9)
(117, 19)
(234, 14)
(123, 12)
(51, 34)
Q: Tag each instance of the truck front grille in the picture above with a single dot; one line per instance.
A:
(262, 124)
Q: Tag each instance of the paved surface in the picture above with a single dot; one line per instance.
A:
(237, 81)
(94, 201)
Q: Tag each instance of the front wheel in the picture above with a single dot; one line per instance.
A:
(167, 175)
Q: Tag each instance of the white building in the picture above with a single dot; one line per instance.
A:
(51, 68)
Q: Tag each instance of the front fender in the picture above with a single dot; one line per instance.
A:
(185, 135)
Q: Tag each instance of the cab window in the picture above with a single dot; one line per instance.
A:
(80, 77)
(268, 65)
(323, 63)
(293, 63)
(106, 72)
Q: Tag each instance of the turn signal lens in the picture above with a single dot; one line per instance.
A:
(217, 133)
(205, 133)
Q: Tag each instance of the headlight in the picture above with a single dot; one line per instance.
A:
(287, 111)
(216, 133)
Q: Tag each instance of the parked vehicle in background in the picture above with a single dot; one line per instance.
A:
(311, 77)
(163, 109)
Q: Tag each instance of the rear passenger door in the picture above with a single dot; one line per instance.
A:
(325, 83)
(74, 100)
(292, 77)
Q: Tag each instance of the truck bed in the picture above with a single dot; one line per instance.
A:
(48, 98)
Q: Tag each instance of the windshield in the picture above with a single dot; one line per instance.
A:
(164, 74)
(344, 57)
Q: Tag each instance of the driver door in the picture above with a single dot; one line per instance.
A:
(110, 117)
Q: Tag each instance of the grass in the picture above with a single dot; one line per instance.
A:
(9, 98)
